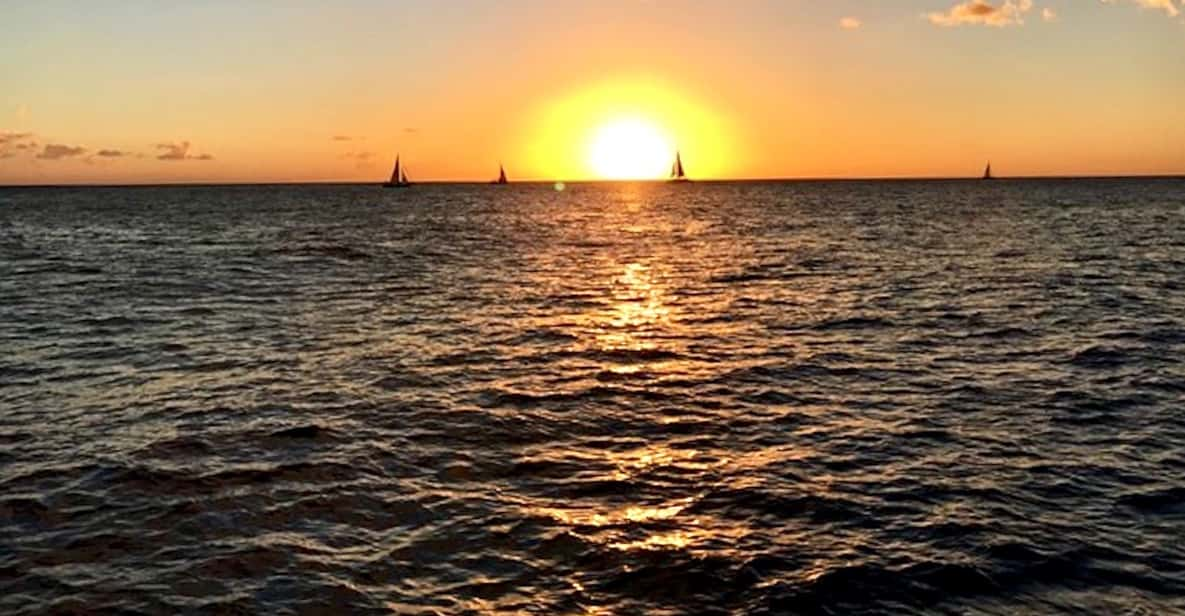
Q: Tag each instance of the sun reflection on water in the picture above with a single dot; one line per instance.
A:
(621, 516)
(644, 524)
(639, 307)
(632, 323)
(634, 463)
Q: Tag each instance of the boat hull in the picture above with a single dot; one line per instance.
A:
(390, 185)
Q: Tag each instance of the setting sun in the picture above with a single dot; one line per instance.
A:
(628, 129)
(629, 149)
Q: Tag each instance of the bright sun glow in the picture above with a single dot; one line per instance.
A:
(630, 149)
(627, 129)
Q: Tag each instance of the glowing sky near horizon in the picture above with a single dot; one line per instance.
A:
(155, 90)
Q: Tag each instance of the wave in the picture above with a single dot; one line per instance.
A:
(341, 252)
(305, 432)
(1156, 501)
(166, 481)
(603, 394)
(851, 323)
(746, 502)
(1100, 356)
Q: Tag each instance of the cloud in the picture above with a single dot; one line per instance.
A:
(411, 130)
(341, 138)
(362, 160)
(57, 151)
(107, 155)
(1012, 12)
(10, 142)
(178, 151)
(173, 151)
(982, 12)
(8, 137)
(1168, 6)
(850, 23)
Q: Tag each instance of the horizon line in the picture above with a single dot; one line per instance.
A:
(920, 178)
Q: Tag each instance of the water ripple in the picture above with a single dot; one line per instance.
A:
(768, 398)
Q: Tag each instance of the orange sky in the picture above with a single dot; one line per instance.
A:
(850, 88)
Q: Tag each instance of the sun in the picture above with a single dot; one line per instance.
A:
(628, 128)
(630, 148)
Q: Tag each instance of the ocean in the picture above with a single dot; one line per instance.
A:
(893, 397)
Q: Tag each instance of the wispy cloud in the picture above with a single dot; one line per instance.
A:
(112, 153)
(57, 151)
(411, 130)
(178, 151)
(982, 12)
(1012, 12)
(341, 138)
(12, 143)
(10, 137)
(1168, 6)
(850, 23)
(361, 160)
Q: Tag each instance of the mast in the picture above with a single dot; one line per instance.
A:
(396, 171)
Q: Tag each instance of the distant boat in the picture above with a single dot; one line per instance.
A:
(398, 176)
(987, 173)
(501, 176)
(677, 174)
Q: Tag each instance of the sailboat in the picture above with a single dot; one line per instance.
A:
(677, 174)
(398, 176)
(501, 176)
(987, 173)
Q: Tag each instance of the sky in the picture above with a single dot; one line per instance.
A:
(146, 91)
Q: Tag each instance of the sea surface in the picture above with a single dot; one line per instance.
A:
(932, 397)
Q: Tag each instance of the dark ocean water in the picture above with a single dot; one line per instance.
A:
(815, 398)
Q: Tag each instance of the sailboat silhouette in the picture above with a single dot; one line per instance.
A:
(398, 176)
(677, 174)
(987, 173)
(501, 176)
